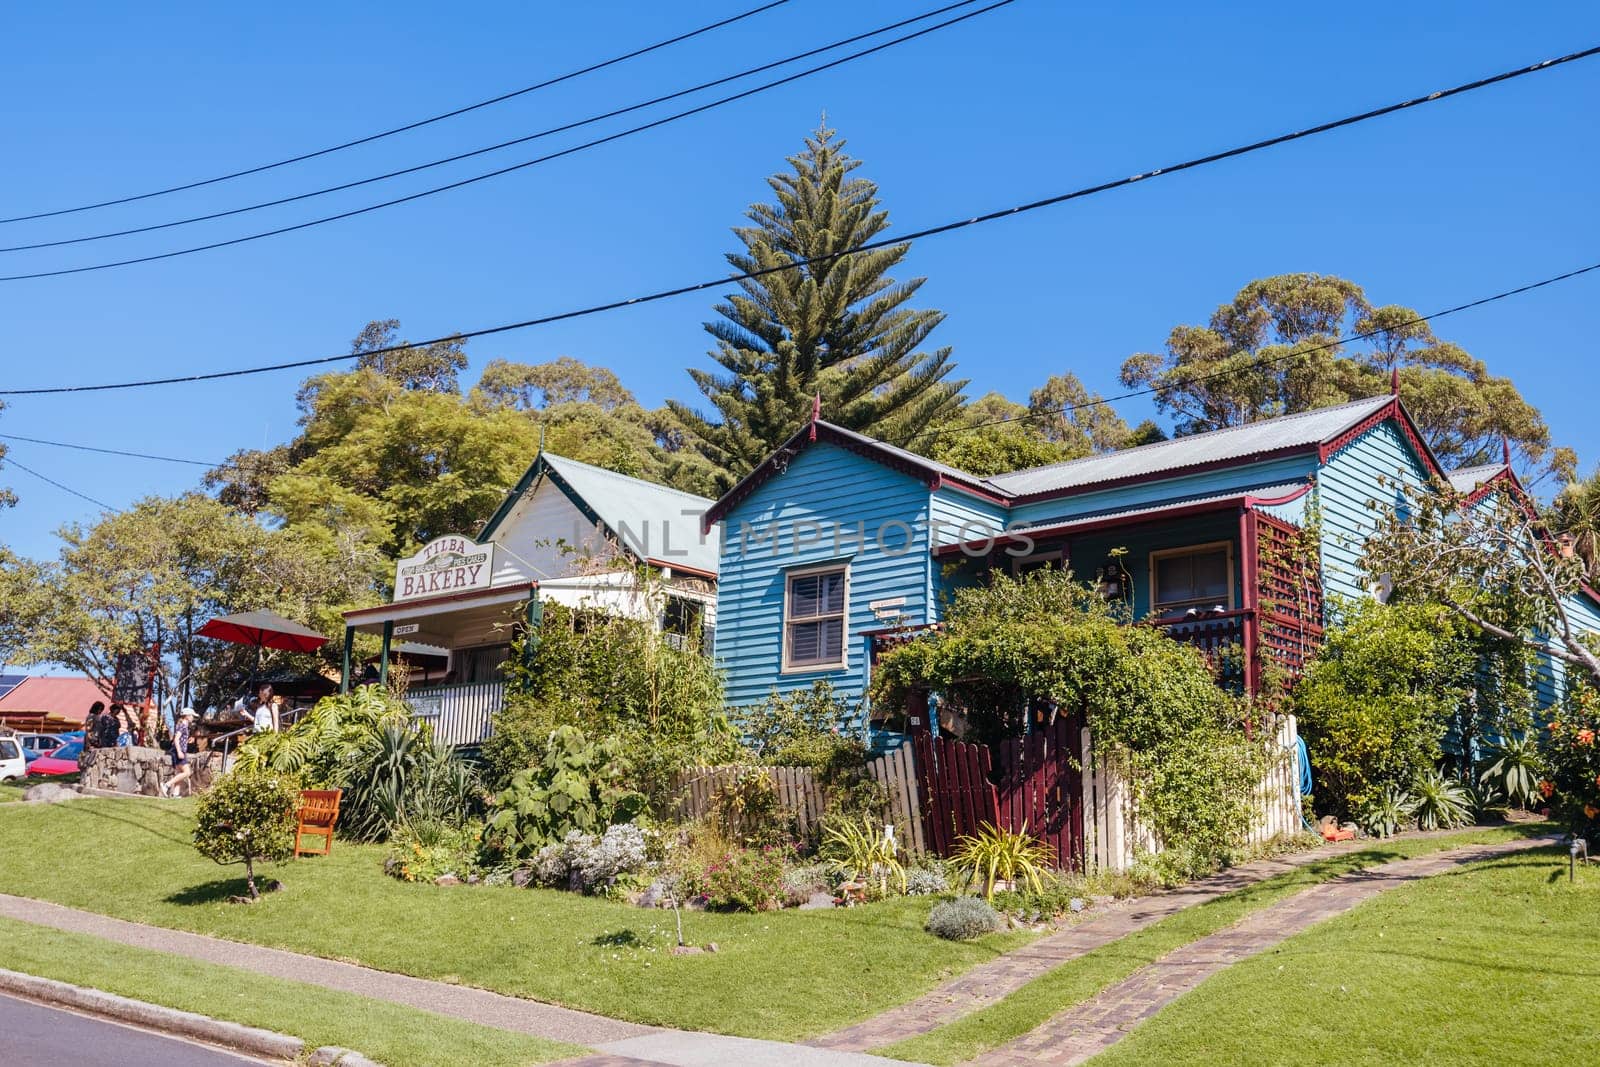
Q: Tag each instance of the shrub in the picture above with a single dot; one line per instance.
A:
(1386, 813)
(962, 919)
(399, 776)
(611, 676)
(799, 883)
(863, 852)
(1572, 754)
(746, 809)
(801, 728)
(1440, 802)
(578, 784)
(248, 816)
(1058, 894)
(1514, 769)
(320, 746)
(588, 864)
(926, 882)
(994, 853)
(1379, 698)
(423, 851)
(744, 879)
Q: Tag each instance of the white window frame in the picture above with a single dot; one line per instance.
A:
(790, 667)
(1188, 550)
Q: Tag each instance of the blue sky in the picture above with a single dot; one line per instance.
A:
(1425, 209)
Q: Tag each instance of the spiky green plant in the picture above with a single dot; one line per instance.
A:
(1514, 768)
(1387, 812)
(993, 854)
(863, 851)
(1442, 803)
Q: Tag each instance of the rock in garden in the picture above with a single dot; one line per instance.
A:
(817, 901)
(521, 877)
(652, 897)
(687, 950)
(447, 879)
(49, 793)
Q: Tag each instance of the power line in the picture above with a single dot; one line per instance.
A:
(105, 451)
(410, 125)
(931, 231)
(1257, 363)
(720, 102)
(458, 157)
(7, 461)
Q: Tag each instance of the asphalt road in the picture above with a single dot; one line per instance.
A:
(32, 1035)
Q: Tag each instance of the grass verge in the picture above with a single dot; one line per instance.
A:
(1079, 979)
(388, 1033)
(1493, 963)
(781, 975)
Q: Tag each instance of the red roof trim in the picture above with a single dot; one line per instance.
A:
(422, 602)
(941, 482)
(679, 568)
(1252, 502)
(1393, 410)
(1485, 487)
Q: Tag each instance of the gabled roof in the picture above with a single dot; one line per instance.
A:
(1322, 432)
(66, 696)
(892, 456)
(1466, 479)
(636, 513)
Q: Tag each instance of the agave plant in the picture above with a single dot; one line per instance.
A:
(1386, 813)
(1514, 769)
(1441, 802)
(993, 854)
(402, 776)
(863, 851)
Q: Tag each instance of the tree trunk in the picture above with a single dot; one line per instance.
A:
(250, 877)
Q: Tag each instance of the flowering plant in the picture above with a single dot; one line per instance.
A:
(743, 879)
(1572, 756)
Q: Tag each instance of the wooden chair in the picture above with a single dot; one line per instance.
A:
(319, 810)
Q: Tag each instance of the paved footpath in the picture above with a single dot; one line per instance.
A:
(624, 1043)
(1080, 1032)
(992, 981)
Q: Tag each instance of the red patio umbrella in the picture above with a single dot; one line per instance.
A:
(263, 629)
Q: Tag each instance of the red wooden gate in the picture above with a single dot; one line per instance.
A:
(1031, 783)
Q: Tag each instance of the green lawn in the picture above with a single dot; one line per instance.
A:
(389, 1033)
(1079, 979)
(1493, 964)
(784, 975)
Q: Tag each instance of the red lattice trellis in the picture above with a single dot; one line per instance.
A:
(1289, 580)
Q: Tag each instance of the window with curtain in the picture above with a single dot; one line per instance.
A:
(813, 619)
(1193, 578)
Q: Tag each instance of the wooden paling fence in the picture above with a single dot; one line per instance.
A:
(799, 793)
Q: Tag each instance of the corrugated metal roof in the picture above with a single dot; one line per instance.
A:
(1467, 479)
(909, 457)
(1302, 429)
(651, 518)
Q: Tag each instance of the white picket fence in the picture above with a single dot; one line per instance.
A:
(1113, 834)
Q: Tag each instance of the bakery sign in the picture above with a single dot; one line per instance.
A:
(450, 564)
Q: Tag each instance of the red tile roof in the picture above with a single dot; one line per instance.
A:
(65, 696)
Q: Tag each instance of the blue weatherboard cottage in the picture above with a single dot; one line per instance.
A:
(1243, 538)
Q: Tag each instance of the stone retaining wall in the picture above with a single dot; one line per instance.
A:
(141, 770)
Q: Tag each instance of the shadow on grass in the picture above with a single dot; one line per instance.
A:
(85, 808)
(221, 889)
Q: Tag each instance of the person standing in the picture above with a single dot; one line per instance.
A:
(124, 730)
(181, 770)
(89, 722)
(105, 726)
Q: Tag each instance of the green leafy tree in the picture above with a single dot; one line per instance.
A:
(1575, 517)
(1273, 350)
(1494, 565)
(430, 368)
(537, 386)
(23, 602)
(977, 441)
(840, 327)
(1378, 700)
(157, 571)
(248, 817)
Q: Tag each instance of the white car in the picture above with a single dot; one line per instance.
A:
(12, 765)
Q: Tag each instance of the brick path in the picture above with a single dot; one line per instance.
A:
(1080, 1032)
(992, 981)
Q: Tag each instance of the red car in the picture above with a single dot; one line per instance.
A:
(63, 760)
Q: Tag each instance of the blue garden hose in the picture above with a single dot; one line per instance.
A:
(1303, 758)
